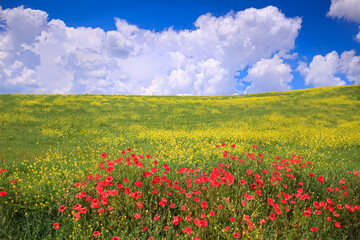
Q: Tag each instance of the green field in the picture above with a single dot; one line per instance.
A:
(48, 142)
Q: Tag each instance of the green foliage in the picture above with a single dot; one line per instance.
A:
(48, 142)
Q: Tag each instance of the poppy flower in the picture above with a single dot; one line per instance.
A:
(337, 224)
(237, 235)
(204, 204)
(272, 216)
(226, 229)
(56, 225)
(62, 208)
(137, 215)
(187, 230)
(320, 179)
(156, 217)
(314, 229)
(103, 155)
(254, 146)
(96, 233)
(307, 213)
(115, 238)
(139, 184)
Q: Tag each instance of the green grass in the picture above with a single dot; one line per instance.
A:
(52, 141)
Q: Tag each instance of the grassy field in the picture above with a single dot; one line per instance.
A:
(50, 142)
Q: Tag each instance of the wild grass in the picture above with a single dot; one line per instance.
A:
(49, 142)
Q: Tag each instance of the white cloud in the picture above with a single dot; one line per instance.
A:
(269, 75)
(347, 9)
(357, 38)
(53, 58)
(325, 71)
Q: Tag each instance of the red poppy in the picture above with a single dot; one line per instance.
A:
(320, 179)
(337, 224)
(232, 219)
(314, 229)
(76, 207)
(237, 235)
(137, 215)
(103, 155)
(156, 217)
(96, 233)
(139, 204)
(226, 229)
(56, 225)
(187, 230)
(204, 204)
(254, 146)
(223, 144)
(307, 213)
(115, 238)
(272, 216)
(62, 208)
(139, 184)
(101, 210)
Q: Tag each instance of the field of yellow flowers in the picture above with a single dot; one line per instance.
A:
(279, 165)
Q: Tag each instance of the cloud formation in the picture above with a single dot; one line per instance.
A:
(327, 71)
(346, 9)
(269, 75)
(42, 56)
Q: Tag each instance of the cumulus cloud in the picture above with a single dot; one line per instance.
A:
(269, 75)
(346, 9)
(42, 56)
(326, 71)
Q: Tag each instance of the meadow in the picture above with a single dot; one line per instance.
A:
(52, 147)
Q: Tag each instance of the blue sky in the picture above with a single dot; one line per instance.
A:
(323, 44)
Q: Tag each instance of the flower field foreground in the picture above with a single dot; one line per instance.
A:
(254, 197)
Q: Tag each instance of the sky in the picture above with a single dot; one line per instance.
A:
(177, 47)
